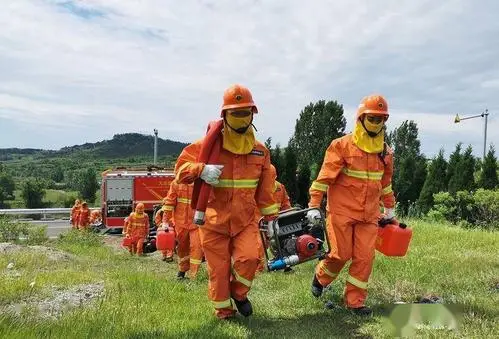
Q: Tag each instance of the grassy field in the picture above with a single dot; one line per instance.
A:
(144, 300)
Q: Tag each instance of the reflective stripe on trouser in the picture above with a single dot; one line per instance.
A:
(189, 250)
(349, 239)
(231, 263)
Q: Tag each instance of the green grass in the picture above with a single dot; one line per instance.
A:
(143, 299)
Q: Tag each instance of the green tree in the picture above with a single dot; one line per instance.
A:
(451, 178)
(319, 123)
(409, 164)
(268, 143)
(57, 174)
(7, 187)
(88, 185)
(467, 168)
(32, 192)
(488, 176)
(433, 183)
(288, 174)
(276, 158)
(303, 186)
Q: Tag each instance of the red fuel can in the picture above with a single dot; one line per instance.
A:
(165, 241)
(393, 240)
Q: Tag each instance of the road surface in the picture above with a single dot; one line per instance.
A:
(54, 227)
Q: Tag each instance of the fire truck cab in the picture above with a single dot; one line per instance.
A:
(123, 188)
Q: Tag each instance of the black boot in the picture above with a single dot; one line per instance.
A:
(362, 311)
(316, 287)
(180, 275)
(288, 269)
(244, 307)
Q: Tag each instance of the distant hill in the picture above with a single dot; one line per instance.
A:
(120, 146)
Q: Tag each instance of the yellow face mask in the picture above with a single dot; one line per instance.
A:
(364, 141)
(234, 142)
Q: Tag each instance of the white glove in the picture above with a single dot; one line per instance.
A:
(388, 214)
(211, 173)
(164, 227)
(313, 216)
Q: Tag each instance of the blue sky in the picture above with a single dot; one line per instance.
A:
(80, 71)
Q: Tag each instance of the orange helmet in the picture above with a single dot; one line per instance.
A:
(373, 104)
(238, 96)
(139, 207)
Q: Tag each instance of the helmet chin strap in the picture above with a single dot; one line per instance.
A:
(371, 134)
(240, 130)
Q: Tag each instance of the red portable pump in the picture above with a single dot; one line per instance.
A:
(393, 238)
(210, 152)
(293, 239)
(165, 240)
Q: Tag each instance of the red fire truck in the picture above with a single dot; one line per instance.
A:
(123, 188)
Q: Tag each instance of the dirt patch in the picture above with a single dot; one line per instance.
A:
(51, 253)
(61, 301)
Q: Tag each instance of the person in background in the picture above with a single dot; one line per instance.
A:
(179, 215)
(138, 229)
(84, 217)
(75, 211)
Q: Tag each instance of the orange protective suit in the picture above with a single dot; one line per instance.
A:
(138, 228)
(75, 212)
(84, 217)
(230, 233)
(158, 219)
(95, 217)
(355, 182)
(179, 214)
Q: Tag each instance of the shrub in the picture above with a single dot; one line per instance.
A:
(468, 209)
(16, 232)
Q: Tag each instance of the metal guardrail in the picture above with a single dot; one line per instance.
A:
(24, 211)
(38, 211)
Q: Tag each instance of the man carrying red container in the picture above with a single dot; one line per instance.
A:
(242, 182)
(356, 174)
(137, 229)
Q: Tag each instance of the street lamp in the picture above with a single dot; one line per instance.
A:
(483, 115)
(155, 146)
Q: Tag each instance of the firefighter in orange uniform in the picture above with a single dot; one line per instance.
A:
(179, 215)
(242, 183)
(356, 174)
(75, 212)
(158, 220)
(282, 199)
(95, 217)
(138, 228)
(84, 217)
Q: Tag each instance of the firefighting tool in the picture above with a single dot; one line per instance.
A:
(293, 238)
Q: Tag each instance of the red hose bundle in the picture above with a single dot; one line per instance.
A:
(210, 152)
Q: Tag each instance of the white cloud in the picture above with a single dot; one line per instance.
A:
(112, 66)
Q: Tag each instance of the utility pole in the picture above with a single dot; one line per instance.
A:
(485, 115)
(155, 146)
